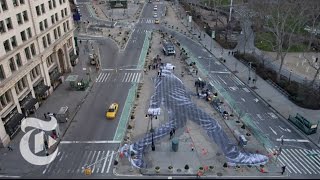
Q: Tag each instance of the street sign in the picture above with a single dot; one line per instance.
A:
(213, 34)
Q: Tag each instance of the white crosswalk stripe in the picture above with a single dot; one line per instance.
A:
(236, 80)
(99, 162)
(124, 77)
(146, 20)
(300, 161)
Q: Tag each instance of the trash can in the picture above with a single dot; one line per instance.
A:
(175, 144)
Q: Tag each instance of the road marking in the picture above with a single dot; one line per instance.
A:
(95, 162)
(124, 76)
(272, 115)
(110, 161)
(311, 158)
(288, 162)
(105, 160)
(222, 80)
(104, 80)
(260, 117)
(243, 99)
(107, 69)
(286, 130)
(139, 77)
(8, 176)
(298, 160)
(100, 160)
(234, 88)
(246, 90)
(302, 159)
(295, 140)
(256, 99)
(89, 142)
(220, 72)
(81, 162)
(273, 130)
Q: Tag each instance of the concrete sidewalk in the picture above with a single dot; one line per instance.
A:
(262, 88)
(62, 96)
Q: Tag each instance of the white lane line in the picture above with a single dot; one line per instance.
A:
(124, 76)
(98, 77)
(89, 142)
(8, 176)
(260, 117)
(308, 160)
(294, 140)
(299, 160)
(81, 162)
(243, 99)
(105, 161)
(289, 163)
(95, 162)
(274, 132)
(246, 90)
(110, 161)
(221, 72)
(222, 80)
(139, 77)
(107, 69)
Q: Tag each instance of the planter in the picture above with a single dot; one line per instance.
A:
(170, 168)
(211, 168)
(201, 169)
(157, 169)
(186, 168)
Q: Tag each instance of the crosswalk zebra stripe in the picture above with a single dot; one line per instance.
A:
(75, 160)
(288, 162)
(300, 160)
(57, 164)
(124, 77)
(106, 77)
(88, 157)
(139, 77)
(94, 166)
(81, 162)
(294, 158)
(311, 160)
(91, 162)
(127, 77)
(134, 78)
(105, 161)
(100, 161)
(98, 77)
(283, 164)
(110, 162)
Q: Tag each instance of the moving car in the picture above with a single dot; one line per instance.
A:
(155, 8)
(157, 21)
(112, 111)
(155, 15)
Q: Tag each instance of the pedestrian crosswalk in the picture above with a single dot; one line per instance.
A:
(146, 20)
(124, 77)
(299, 161)
(99, 162)
(236, 80)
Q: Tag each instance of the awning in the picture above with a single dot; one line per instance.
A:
(41, 89)
(13, 123)
(28, 104)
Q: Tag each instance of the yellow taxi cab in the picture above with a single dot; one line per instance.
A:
(112, 111)
(157, 21)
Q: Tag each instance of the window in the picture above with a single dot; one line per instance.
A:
(60, 1)
(13, 41)
(27, 52)
(64, 1)
(65, 11)
(23, 35)
(49, 38)
(68, 25)
(2, 75)
(59, 32)
(57, 18)
(15, 3)
(43, 9)
(21, 1)
(35, 72)
(54, 3)
(38, 10)
(29, 32)
(12, 64)
(18, 60)
(55, 34)
(25, 16)
(45, 24)
(4, 5)
(44, 41)
(62, 13)
(41, 26)
(33, 50)
(19, 18)
(52, 19)
(2, 27)
(50, 4)
(64, 27)
(49, 60)
(5, 99)
(6, 45)
(9, 23)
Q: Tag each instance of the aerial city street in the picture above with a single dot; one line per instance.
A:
(160, 89)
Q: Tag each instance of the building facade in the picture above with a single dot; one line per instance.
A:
(36, 48)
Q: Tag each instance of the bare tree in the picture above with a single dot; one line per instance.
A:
(314, 16)
(314, 65)
(282, 18)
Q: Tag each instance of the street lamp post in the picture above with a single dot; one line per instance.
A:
(249, 78)
(151, 116)
(290, 76)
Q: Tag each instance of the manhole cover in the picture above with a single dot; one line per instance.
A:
(219, 174)
(178, 170)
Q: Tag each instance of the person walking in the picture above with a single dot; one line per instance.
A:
(10, 148)
(171, 134)
(283, 169)
(174, 131)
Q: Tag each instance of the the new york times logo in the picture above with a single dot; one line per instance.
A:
(39, 144)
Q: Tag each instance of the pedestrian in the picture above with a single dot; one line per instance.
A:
(171, 134)
(173, 69)
(145, 71)
(192, 148)
(10, 148)
(283, 169)
(174, 131)
(196, 71)
(229, 53)
(149, 67)
(158, 73)
(80, 41)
